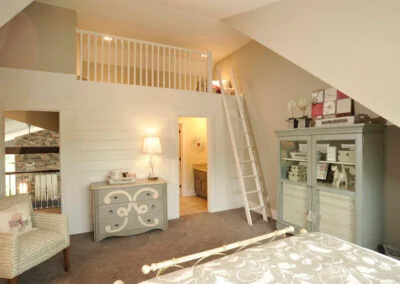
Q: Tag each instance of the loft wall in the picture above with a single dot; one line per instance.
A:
(269, 82)
(41, 37)
(102, 127)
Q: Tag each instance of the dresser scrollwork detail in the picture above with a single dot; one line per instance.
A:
(129, 209)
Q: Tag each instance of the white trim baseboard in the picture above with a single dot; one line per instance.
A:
(274, 214)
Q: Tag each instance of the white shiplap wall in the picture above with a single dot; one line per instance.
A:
(102, 127)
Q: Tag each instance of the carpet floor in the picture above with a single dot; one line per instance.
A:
(122, 258)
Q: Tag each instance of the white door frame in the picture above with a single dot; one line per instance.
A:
(2, 155)
(210, 157)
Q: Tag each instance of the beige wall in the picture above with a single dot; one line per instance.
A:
(352, 45)
(192, 127)
(391, 193)
(269, 82)
(41, 37)
(43, 119)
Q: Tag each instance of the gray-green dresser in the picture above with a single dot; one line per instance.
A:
(128, 209)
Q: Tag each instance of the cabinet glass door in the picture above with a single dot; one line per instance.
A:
(294, 160)
(294, 175)
(336, 164)
(335, 180)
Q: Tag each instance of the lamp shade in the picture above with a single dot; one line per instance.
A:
(152, 145)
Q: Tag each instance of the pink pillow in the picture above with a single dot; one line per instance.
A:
(16, 219)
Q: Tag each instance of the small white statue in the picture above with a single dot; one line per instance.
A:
(339, 176)
(290, 108)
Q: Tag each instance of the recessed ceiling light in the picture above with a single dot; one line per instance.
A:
(107, 38)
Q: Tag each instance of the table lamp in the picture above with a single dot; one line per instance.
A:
(152, 146)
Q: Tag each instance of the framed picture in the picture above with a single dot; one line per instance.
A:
(322, 171)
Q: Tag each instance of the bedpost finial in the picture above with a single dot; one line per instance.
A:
(146, 269)
(303, 231)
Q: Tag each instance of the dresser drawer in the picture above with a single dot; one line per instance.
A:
(112, 226)
(140, 207)
(117, 195)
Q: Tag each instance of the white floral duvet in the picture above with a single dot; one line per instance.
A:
(310, 258)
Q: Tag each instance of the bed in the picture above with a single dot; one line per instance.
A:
(305, 258)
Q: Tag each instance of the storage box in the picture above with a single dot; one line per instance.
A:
(298, 169)
(347, 156)
(302, 177)
(331, 155)
(298, 155)
(303, 148)
(331, 122)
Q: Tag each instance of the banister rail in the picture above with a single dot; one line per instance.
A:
(122, 60)
(44, 186)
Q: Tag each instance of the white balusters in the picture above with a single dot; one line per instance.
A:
(158, 65)
(122, 62)
(129, 62)
(95, 57)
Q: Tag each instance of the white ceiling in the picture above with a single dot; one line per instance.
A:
(193, 24)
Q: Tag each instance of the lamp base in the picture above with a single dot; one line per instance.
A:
(152, 178)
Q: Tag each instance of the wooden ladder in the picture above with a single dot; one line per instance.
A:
(250, 183)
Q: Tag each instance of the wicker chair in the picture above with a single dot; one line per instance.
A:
(18, 253)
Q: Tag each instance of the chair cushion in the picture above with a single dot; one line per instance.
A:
(37, 246)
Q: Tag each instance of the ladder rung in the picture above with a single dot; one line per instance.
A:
(246, 161)
(244, 147)
(252, 191)
(232, 106)
(250, 176)
(257, 207)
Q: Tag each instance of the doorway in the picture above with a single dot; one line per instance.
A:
(32, 160)
(193, 165)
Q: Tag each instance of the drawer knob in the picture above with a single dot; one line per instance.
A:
(111, 212)
(153, 206)
(148, 193)
(115, 197)
(149, 220)
(116, 225)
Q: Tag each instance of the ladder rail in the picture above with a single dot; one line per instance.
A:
(236, 155)
(244, 130)
(248, 142)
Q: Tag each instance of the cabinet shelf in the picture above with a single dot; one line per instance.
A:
(295, 160)
(336, 163)
(294, 182)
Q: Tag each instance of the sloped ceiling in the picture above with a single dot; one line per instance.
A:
(352, 45)
(193, 24)
(10, 8)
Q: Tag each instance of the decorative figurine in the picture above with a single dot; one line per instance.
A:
(339, 176)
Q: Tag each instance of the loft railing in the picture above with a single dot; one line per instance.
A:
(43, 186)
(121, 60)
